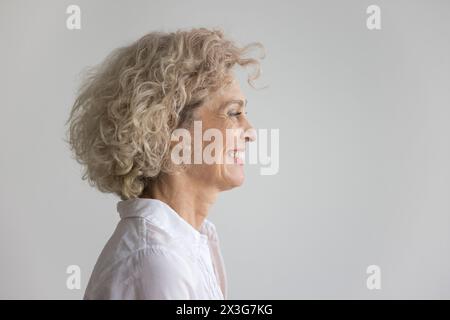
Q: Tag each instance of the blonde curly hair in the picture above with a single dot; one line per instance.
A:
(128, 106)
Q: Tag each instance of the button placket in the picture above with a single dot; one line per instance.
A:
(209, 272)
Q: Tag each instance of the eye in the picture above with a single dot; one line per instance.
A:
(234, 113)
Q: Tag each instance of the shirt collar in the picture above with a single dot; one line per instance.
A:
(162, 215)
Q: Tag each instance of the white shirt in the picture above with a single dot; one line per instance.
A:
(155, 254)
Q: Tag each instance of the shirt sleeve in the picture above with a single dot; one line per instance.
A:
(158, 275)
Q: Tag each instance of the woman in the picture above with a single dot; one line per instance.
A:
(122, 131)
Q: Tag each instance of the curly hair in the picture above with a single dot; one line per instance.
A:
(128, 106)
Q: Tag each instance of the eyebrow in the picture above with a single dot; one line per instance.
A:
(238, 101)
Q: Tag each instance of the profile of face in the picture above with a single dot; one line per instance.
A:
(224, 112)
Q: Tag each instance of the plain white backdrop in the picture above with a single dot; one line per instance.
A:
(364, 146)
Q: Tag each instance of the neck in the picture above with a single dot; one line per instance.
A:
(191, 202)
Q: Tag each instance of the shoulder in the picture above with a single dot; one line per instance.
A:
(159, 259)
(154, 272)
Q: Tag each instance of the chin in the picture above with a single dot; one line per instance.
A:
(238, 182)
(235, 179)
(231, 185)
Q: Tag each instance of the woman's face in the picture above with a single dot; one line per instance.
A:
(225, 113)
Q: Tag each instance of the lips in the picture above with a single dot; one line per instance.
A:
(237, 155)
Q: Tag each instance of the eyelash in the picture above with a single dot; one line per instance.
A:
(236, 114)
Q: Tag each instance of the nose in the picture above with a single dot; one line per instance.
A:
(249, 133)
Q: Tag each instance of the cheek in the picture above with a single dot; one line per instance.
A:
(224, 128)
(232, 137)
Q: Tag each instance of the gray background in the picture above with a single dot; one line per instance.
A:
(364, 146)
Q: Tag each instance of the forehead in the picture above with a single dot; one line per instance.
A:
(232, 91)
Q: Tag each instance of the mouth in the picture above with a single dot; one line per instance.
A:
(237, 155)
